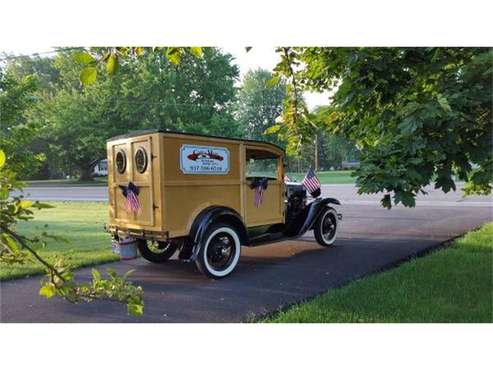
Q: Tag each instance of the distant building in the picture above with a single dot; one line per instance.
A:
(100, 168)
(349, 164)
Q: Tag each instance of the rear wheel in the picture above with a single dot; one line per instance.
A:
(326, 227)
(154, 251)
(219, 251)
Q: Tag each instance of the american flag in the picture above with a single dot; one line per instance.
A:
(259, 195)
(312, 183)
(132, 203)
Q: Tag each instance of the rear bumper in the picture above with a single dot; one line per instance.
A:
(137, 233)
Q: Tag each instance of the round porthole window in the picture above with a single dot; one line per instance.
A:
(141, 160)
(121, 161)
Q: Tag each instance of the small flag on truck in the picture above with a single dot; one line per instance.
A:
(260, 186)
(131, 193)
(312, 183)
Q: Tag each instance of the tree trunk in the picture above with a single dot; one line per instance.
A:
(85, 173)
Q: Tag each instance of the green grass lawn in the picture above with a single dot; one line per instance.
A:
(79, 222)
(327, 177)
(453, 284)
(98, 181)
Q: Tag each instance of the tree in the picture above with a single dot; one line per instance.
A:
(417, 115)
(17, 96)
(259, 104)
(147, 92)
(188, 97)
(77, 121)
(16, 248)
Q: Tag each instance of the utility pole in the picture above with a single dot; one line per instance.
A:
(315, 141)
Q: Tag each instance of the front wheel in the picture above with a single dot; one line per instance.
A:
(219, 251)
(326, 227)
(154, 251)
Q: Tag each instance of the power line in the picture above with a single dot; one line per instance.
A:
(13, 57)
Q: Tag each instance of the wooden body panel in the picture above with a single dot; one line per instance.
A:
(147, 218)
(171, 199)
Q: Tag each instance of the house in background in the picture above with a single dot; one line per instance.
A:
(100, 168)
(349, 165)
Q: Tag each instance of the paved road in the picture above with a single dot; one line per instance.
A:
(268, 277)
(346, 193)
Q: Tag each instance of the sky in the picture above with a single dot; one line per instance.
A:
(258, 57)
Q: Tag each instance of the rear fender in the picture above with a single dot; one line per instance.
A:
(212, 215)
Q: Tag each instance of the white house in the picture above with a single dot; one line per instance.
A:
(100, 168)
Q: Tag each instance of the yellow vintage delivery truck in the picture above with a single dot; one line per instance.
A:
(205, 197)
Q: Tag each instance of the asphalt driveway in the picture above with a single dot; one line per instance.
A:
(268, 277)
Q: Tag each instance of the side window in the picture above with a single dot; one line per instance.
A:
(261, 163)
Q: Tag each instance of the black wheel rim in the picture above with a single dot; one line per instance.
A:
(158, 247)
(220, 251)
(329, 226)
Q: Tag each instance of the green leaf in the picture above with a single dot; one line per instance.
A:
(408, 126)
(112, 64)
(88, 75)
(2, 158)
(83, 57)
(135, 309)
(274, 81)
(112, 273)
(386, 202)
(197, 52)
(442, 100)
(25, 203)
(96, 275)
(40, 205)
(48, 290)
(174, 55)
(11, 242)
(273, 129)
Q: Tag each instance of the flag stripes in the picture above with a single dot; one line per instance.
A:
(132, 203)
(311, 182)
(259, 195)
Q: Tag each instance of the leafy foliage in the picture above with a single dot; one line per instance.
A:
(129, 89)
(259, 104)
(16, 132)
(113, 56)
(59, 281)
(417, 114)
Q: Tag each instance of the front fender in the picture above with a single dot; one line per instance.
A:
(316, 208)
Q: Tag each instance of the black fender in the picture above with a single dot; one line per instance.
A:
(211, 215)
(314, 211)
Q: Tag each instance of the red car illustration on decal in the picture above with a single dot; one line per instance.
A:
(210, 154)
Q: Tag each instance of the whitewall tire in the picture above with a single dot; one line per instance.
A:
(219, 251)
(326, 227)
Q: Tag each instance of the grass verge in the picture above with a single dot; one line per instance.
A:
(79, 222)
(327, 177)
(453, 284)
